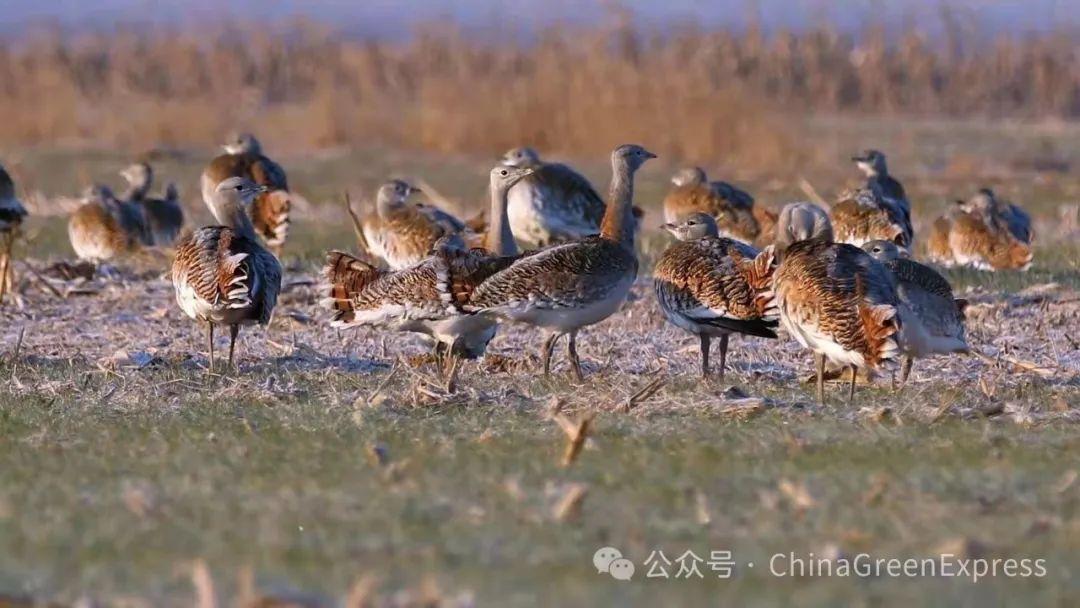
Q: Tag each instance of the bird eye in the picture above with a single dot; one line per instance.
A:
(503, 172)
(239, 187)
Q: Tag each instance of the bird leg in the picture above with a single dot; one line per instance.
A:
(5, 265)
(851, 390)
(819, 364)
(210, 324)
(905, 369)
(234, 330)
(453, 363)
(545, 352)
(704, 355)
(575, 362)
(723, 355)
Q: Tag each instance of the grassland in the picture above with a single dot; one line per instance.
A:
(336, 460)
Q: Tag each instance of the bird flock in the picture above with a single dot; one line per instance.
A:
(838, 279)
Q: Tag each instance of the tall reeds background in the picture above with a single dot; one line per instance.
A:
(689, 92)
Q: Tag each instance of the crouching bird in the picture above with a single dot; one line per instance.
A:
(222, 274)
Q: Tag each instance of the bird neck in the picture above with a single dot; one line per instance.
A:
(233, 215)
(618, 222)
(385, 206)
(137, 190)
(500, 238)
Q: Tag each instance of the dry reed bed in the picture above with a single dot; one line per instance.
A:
(691, 93)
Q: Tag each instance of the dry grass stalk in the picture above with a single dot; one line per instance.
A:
(568, 506)
(744, 409)
(644, 393)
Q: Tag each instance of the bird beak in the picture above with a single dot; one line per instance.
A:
(858, 159)
(669, 227)
(261, 188)
(414, 190)
(649, 154)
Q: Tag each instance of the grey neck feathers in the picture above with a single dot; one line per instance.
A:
(499, 238)
(232, 214)
(618, 222)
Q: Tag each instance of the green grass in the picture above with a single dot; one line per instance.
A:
(289, 488)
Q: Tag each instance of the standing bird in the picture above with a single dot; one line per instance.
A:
(401, 233)
(833, 298)
(863, 215)
(164, 217)
(732, 208)
(429, 297)
(555, 204)
(566, 287)
(270, 212)
(104, 228)
(222, 274)
(713, 286)
(872, 164)
(932, 318)
(12, 214)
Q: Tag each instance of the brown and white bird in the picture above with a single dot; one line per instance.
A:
(222, 274)
(833, 298)
(12, 214)
(401, 233)
(864, 214)
(104, 227)
(164, 217)
(977, 233)
(270, 213)
(428, 297)
(565, 287)
(932, 317)
(732, 208)
(713, 286)
(555, 204)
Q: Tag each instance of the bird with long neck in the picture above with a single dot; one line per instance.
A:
(563, 288)
(140, 177)
(222, 274)
(429, 297)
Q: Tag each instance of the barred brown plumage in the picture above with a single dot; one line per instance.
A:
(566, 287)
(222, 274)
(711, 286)
(12, 214)
(104, 228)
(933, 320)
(982, 233)
(403, 234)
(733, 209)
(864, 214)
(429, 297)
(270, 213)
(835, 300)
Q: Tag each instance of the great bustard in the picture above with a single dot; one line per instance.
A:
(429, 297)
(270, 213)
(982, 233)
(864, 214)
(713, 286)
(164, 217)
(732, 208)
(104, 227)
(12, 214)
(833, 298)
(555, 204)
(401, 233)
(872, 164)
(933, 319)
(566, 287)
(222, 275)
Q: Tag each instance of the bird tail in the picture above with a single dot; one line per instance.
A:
(759, 275)
(345, 276)
(271, 217)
